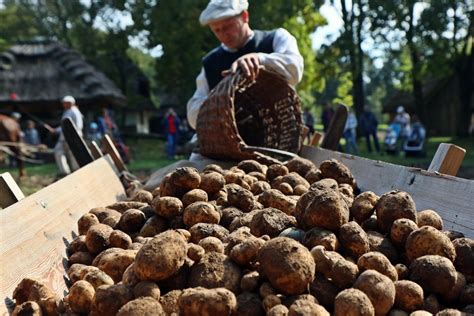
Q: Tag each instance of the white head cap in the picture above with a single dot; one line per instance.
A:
(222, 9)
(400, 109)
(16, 115)
(69, 99)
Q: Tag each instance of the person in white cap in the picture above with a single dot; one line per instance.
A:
(403, 119)
(62, 154)
(241, 47)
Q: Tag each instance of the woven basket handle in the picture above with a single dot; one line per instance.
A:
(270, 151)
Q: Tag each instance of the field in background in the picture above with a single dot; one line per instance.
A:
(149, 154)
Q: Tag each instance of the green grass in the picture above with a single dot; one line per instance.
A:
(149, 155)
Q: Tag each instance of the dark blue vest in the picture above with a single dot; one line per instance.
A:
(219, 59)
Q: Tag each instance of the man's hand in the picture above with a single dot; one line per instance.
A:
(49, 128)
(249, 64)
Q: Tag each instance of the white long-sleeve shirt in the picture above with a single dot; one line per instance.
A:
(76, 116)
(285, 60)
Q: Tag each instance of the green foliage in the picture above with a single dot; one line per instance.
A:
(344, 90)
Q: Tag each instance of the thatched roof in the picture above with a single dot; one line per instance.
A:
(40, 73)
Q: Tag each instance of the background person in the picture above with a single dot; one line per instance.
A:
(350, 133)
(368, 124)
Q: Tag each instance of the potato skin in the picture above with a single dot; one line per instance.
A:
(337, 171)
(409, 295)
(85, 222)
(110, 298)
(29, 308)
(142, 306)
(202, 301)
(364, 206)
(429, 218)
(392, 206)
(317, 236)
(200, 212)
(378, 288)
(464, 256)
(424, 268)
(306, 307)
(287, 264)
(80, 297)
(400, 231)
(168, 206)
(378, 262)
(429, 241)
(97, 238)
(202, 230)
(354, 239)
(161, 257)
(270, 221)
(353, 302)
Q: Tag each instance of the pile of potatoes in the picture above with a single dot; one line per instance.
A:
(285, 239)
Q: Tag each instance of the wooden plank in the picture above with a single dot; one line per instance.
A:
(110, 149)
(10, 192)
(451, 197)
(447, 159)
(34, 232)
(316, 139)
(95, 150)
(76, 143)
(336, 128)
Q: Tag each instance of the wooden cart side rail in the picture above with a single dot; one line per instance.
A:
(451, 197)
(35, 231)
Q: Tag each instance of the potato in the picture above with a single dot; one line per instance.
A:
(34, 290)
(285, 188)
(300, 189)
(29, 308)
(246, 252)
(313, 175)
(378, 262)
(421, 313)
(119, 239)
(379, 288)
(324, 290)
(353, 302)
(402, 271)
(289, 300)
(142, 196)
(276, 199)
(97, 278)
(153, 226)
(278, 310)
(452, 234)
(229, 214)
(294, 179)
(383, 245)
(83, 257)
(370, 224)
(202, 230)
(259, 187)
(97, 238)
(428, 240)
(299, 165)
(249, 304)
(269, 301)
(424, 268)
(431, 304)
(80, 297)
(364, 206)
(409, 295)
(103, 212)
(249, 281)
(270, 221)
(287, 264)
(74, 273)
(130, 277)
(115, 263)
(161, 257)
(202, 301)
(195, 195)
(211, 244)
(185, 179)
(276, 170)
(111, 221)
(110, 298)
(236, 237)
(123, 206)
(317, 236)
(215, 270)
(142, 306)
(306, 307)
(337, 171)
(449, 312)
(354, 239)
(453, 295)
(392, 206)
(400, 231)
(169, 302)
(467, 294)
(342, 272)
(168, 207)
(251, 166)
(464, 248)
(240, 197)
(429, 218)
(85, 222)
(243, 220)
(212, 167)
(78, 244)
(200, 212)
(147, 289)
(323, 209)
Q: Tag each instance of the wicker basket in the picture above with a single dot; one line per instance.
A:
(240, 115)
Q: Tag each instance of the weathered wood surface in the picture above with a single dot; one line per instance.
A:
(110, 149)
(10, 192)
(34, 232)
(76, 143)
(447, 159)
(451, 197)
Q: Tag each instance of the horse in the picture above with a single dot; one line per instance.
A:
(10, 132)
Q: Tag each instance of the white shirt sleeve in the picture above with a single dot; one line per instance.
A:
(200, 95)
(286, 58)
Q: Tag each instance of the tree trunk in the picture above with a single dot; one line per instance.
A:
(464, 71)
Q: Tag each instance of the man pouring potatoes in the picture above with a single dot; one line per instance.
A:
(241, 48)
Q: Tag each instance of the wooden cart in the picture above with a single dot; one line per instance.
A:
(35, 231)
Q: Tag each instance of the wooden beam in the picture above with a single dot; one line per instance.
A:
(35, 232)
(336, 128)
(110, 149)
(451, 197)
(447, 159)
(95, 150)
(76, 143)
(10, 192)
(316, 139)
